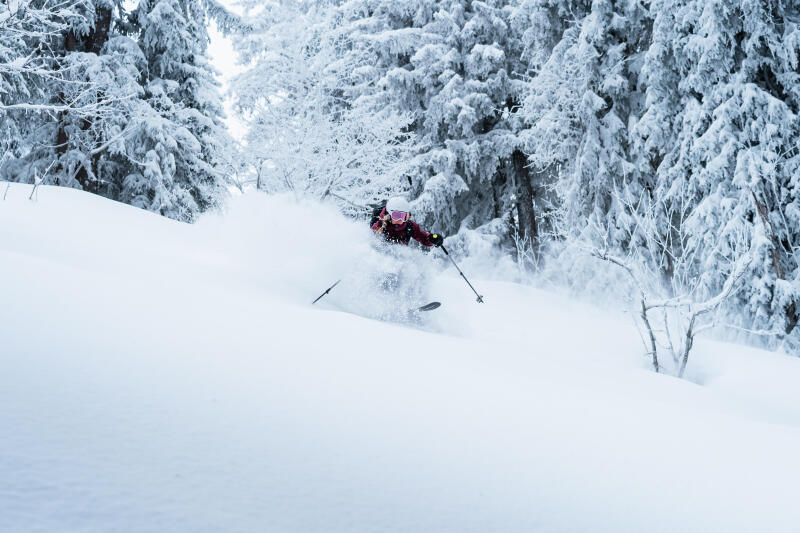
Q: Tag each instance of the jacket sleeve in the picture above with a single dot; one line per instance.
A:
(423, 237)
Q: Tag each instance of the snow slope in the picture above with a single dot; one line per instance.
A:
(164, 377)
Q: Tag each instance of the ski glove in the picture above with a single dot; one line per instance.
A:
(437, 239)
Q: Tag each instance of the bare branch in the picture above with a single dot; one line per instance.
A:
(643, 301)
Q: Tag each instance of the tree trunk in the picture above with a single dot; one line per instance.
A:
(526, 216)
(792, 317)
(99, 35)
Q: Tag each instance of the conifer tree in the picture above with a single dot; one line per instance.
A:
(455, 68)
(183, 146)
(138, 110)
(721, 134)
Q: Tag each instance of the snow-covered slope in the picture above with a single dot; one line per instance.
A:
(156, 376)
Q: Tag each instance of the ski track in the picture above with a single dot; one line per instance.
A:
(164, 377)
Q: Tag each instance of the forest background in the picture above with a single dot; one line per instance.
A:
(646, 147)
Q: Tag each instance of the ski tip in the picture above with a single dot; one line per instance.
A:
(430, 307)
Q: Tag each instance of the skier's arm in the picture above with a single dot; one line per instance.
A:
(421, 236)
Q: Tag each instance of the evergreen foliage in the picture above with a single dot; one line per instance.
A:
(129, 109)
(456, 69)
(673, 127)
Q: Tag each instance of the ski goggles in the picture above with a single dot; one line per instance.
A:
(399, 216)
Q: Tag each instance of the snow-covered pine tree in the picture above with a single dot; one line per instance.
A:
(551, 98)
(183, 145)
(674, 134)
(76, 101)
(118, 124)
(721, 135)
(580, 103)
(454, 67)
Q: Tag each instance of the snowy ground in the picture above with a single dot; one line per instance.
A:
(157, 376)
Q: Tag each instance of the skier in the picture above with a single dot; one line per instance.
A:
(394, 225)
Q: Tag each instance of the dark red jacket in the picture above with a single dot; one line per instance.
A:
(399, 233)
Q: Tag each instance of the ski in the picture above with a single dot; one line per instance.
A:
(427, 307)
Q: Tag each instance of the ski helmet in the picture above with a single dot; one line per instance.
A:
(398, 203)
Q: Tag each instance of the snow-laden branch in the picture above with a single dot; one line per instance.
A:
(56, 108)
(22, 21)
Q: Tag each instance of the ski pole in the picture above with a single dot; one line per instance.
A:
(326, 292)
(480, 298)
